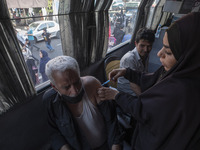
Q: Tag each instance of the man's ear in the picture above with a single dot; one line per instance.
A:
(136, 43)
(54, 87)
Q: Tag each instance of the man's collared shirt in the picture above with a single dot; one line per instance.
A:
(133, 61)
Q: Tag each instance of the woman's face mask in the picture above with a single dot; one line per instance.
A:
(25, 54)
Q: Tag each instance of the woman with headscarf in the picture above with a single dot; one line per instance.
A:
(43, 60)
(30, 62)
(167, 112)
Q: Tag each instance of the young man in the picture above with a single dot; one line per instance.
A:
(76, 118)
(31, 39)
(47, 39)
(137, 59)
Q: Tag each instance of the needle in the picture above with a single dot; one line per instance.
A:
(106, 82)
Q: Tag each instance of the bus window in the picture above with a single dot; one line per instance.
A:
(37, 49)
(122, 17)
(22, 51)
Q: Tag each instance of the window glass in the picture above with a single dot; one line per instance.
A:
(50, 24)
(122, 15)
(37, 19)
(40, 27)
(34, 25)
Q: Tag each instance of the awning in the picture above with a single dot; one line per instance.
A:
(26, 3)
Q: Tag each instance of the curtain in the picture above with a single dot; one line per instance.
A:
(84, 29)
(159, 17)
(15, 83)
(142, 16)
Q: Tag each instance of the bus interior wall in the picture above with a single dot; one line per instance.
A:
(24, 127)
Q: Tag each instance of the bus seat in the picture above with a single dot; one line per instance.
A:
(125, 120)
(110, 64)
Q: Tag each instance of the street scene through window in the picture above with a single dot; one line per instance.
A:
(38, 32)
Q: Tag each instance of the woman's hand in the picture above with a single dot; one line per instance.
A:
(106, 93)
(116, 73)
(65, 147)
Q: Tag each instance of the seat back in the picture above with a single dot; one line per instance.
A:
(110, 64)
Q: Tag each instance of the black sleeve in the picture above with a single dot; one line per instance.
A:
(108, 110)
(144, 80)
(130, 104)
(133, 76)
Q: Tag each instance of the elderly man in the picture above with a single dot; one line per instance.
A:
(76, 117)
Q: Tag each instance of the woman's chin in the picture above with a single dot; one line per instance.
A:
(166, 69)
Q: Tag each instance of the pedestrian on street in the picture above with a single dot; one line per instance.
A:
(31, 64)
(43, 60)
(47, 39)
(31, 39)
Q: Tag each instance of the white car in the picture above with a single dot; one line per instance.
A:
(38, 26)
(117, 6)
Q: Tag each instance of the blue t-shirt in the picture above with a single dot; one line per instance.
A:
(126, 37)
(30, 37)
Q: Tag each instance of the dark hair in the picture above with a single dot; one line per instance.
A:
(146, 34)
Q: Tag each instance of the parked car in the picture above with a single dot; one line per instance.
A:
(51, 26)
(117, 6)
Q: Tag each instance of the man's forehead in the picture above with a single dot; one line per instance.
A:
(64, 75)
(67, 72)
(144, 41)
(65, 78)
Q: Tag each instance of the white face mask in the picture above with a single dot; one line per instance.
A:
(24, 53)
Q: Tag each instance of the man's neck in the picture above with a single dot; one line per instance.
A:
(143, 59)
(76, 109)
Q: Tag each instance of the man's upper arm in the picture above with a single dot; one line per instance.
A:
(94, 84)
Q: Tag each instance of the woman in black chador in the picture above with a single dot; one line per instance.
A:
(167, 111)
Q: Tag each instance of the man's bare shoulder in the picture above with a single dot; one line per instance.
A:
(91, 84)
(91, 81)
